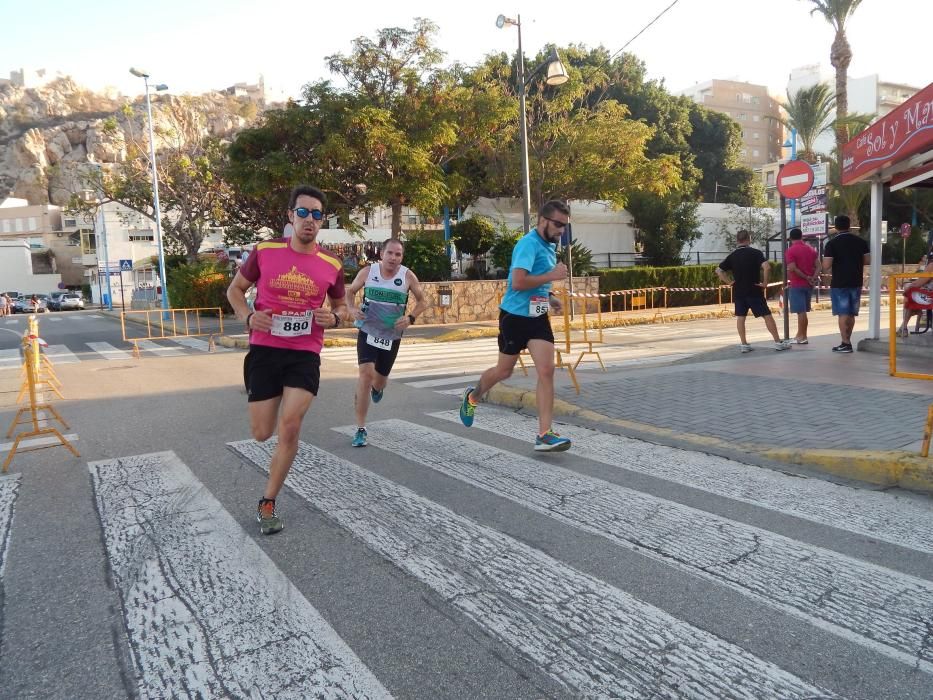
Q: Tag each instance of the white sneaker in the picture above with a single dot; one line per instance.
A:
(781, 346)
(745, 348)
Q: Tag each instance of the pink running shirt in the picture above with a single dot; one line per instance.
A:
(289, 284)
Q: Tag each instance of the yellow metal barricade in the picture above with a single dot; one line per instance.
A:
(893, 320)
(42, 372)
(165, 324)
(34, 409)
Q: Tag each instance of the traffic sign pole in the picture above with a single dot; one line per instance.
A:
(786, 313)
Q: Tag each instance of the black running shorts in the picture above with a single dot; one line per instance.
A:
(267, 371)
(515, 331)
(381, 358)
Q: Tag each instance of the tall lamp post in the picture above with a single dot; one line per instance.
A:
(791, 143)
(155, 185)
(556, 75)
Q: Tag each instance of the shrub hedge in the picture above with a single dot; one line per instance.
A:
(202, 285)
(641, 277)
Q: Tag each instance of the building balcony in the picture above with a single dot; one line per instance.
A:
(87, 260)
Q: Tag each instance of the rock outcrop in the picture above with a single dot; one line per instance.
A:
(49, 136)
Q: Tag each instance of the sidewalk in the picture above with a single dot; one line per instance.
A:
(807, 406)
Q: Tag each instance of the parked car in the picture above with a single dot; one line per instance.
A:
(54, 298)
(26, 304)
(70, 302)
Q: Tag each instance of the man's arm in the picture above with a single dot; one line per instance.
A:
(421, 301)
(765, 274)
(236, 295)
(827, 264)
(358, 283)
(723, 276)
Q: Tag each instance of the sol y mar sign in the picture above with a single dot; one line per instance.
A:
(905, 131)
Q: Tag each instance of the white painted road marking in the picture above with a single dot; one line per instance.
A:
(11, 357)
(205, 608)
(199, 344)
(904, 521)
(826, 589)
(149, 346)
(109, 351)
(37, 442)
(618, 646)
(60, 354)
(9, 487)
(428, 383)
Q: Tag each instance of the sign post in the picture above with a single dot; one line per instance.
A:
(905, 234)
(794, 180)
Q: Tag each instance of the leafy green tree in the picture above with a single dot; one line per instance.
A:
(665, 226)
(501, 251)
(760, 223)
(580, 259)
(473, 236)
(425, 256)
(716, 141)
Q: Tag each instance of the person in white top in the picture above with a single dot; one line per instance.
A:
(381, 319)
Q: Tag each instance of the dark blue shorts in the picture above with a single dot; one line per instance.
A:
(845, 300)
(756, 303)
(798, 299)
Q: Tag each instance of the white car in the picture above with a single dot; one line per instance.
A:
(71, 302)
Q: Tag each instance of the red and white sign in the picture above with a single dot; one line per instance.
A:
(813, 224)
(905, 230)
(795, 179)
(904, 132)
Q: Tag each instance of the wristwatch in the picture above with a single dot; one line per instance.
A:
(411, 318)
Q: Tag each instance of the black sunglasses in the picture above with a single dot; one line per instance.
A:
(558, 224)
(304, 213)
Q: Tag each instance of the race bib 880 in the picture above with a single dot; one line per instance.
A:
(292, 325)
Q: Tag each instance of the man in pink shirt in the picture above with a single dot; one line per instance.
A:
(800, 259)
(286, 331)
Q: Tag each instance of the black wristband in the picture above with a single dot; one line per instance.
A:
(248, 316)
(336, 319)
(411, 318)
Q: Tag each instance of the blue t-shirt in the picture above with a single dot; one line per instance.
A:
(533, 254)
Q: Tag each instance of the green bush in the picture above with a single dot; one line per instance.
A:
(473, 236)
(689, 276)
(202, 285)
(425, 256)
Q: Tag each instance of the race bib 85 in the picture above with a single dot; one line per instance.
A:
(538, 306)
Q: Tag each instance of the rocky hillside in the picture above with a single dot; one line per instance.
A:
(50, 135)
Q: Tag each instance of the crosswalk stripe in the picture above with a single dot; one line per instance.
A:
(149, 346)
(9, 488)
(11, 357)
(199, 344)
(60, 354)
(622, 647)
(37, 442)
(410, 353)
(829, 590)
(441, 382)
(109, 351)
(204, 606)
(902, 521)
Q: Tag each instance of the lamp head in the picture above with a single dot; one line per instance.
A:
(556, 73)
(502, 20)
(161, 87)
(139, 73)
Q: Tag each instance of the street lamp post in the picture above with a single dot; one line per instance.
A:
(791, 143)
(155, 187)
(556, 75)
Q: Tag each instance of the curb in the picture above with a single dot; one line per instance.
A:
(884, 468)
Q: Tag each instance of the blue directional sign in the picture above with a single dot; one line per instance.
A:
(126, 265)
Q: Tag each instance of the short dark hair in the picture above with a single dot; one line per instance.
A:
(387, 241)
(796, 234)
(841, 222)
(743, 235)
(552, 205)
(309, 191)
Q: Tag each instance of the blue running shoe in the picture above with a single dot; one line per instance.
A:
(551, 442)
(376, 395)
(467, 409)
(359, 440)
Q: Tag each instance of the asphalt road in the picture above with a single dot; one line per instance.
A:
(439, 561)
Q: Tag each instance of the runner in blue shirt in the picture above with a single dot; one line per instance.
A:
(524, 322)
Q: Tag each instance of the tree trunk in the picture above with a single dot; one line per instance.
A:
(840, 56)
(396, 217)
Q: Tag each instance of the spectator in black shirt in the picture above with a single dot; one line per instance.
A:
(846, 255)
(750, 271)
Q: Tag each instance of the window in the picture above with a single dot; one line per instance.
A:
(755, 153)
(743, 133)
(71, 223)
(756, 118)
(17, 225)
(756, 100)
(756, 135)
(141, 237)
(7, 225)
(88, 243)
(33, 223)
(769, 180)
(742, 116)
(744, 152)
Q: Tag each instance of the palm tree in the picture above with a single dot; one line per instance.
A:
(809, 111)
(837, 13)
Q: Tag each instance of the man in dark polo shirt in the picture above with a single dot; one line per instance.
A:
(846, 255)
(750, 270)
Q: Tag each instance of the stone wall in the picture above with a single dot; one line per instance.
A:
(478, 300)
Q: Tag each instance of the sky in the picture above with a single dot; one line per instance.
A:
(198, 45)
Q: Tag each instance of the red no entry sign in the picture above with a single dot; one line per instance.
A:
(795, 179)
